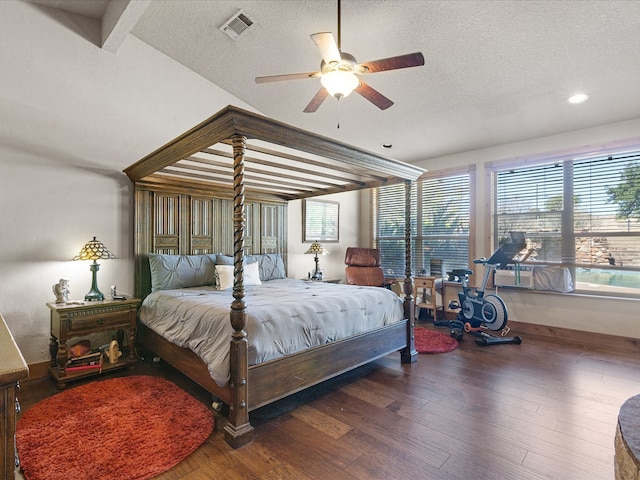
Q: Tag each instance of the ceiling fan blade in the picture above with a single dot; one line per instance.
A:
(394, 63)
(288, 76)
(373, 96)
(327, 46)
(316, 101)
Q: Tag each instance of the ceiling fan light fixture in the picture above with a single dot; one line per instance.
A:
(339, 83)
(338, 72)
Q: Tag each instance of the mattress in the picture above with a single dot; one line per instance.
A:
(283, 317)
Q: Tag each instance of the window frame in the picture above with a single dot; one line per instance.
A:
(417, 238)
(568, 232)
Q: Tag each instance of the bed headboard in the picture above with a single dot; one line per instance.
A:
(172, 222)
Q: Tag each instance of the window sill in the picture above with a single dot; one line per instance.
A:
(583, 289)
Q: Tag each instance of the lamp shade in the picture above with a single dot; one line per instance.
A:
(94, 250)
(316, 249)
(339, 83)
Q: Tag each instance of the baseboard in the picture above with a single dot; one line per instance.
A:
(594, 340)
(38, 370)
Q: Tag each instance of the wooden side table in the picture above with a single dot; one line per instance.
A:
(69, 320)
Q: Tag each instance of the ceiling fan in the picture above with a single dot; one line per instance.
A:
(339, 72)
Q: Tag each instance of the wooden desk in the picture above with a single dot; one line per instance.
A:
(13, 368)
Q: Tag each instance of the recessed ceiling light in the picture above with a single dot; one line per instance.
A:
(386, 145)
(578, 98)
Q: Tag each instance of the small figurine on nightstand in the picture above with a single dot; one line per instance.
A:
(61, 291)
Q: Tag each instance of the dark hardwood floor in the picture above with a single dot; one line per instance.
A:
(545, 409)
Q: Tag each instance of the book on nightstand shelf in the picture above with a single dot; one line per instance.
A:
(89, 361)
(87, 358)
(79, 368)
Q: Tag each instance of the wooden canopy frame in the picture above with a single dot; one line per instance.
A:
(266, 160)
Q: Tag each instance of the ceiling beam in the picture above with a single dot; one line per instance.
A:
(118, 20)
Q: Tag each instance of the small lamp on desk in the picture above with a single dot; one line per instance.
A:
(94, 250)
(316, 249)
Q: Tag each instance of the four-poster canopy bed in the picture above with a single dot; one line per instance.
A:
(185, 206)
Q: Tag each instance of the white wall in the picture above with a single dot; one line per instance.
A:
(332, 264)
(606, 315)
(72, 117)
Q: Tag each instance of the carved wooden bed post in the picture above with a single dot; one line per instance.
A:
(238, 431)
(409, 354)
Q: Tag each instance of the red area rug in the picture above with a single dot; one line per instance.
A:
(431, 341)
(131, 427)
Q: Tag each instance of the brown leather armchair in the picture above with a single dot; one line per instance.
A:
(363, 267)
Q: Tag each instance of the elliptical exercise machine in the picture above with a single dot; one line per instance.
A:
(480, 312)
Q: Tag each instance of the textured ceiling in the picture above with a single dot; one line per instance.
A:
(495, 71)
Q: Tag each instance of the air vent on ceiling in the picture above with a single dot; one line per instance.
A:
(237, 25)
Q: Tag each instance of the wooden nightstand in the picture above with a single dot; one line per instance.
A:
(76, 320)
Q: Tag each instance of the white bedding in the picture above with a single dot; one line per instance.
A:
(284, 316)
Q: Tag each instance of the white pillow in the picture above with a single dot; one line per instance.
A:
(251, 276)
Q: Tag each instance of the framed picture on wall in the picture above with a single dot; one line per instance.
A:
(320, 221)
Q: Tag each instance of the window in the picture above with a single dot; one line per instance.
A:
(388, 221)
(440, 222)
(583, 213)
